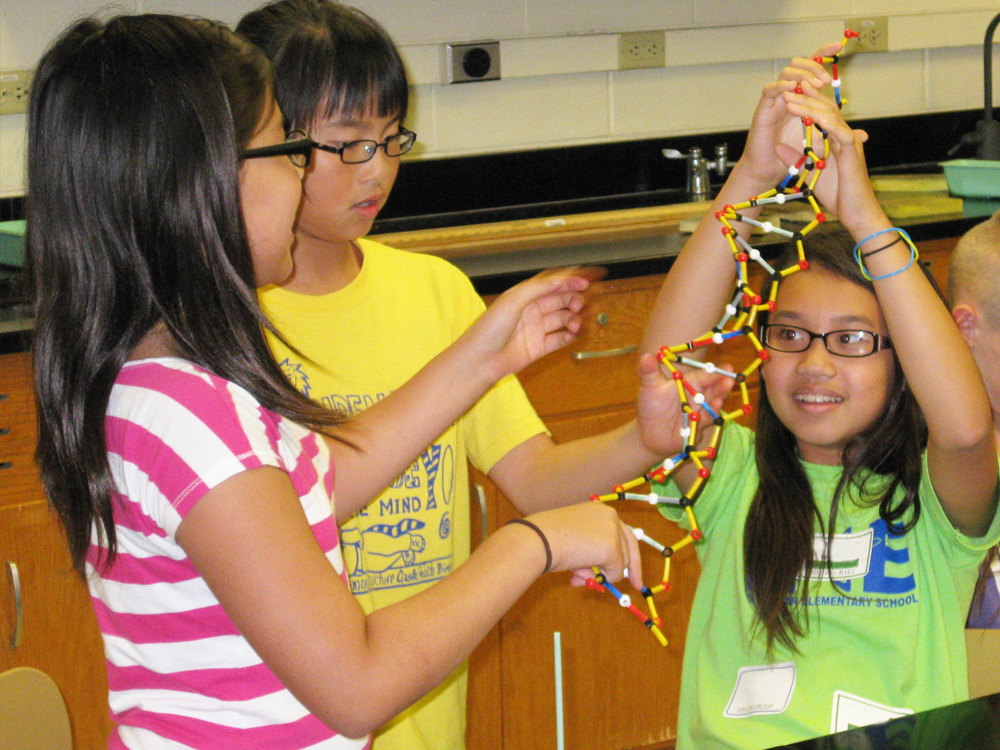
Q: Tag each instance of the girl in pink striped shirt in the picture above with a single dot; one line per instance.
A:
(194, 482)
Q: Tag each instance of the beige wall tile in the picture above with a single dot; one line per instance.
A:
(420, 119)
(25, 33)
(419, 21)
(896, 7)
(12, 161)
(702, 98)
(558, 55)
(939, 30)
(556, 17)
(955, 78)
(890, 83)
(424, 63)
(724, 12)
(521, 113)
(741, 43)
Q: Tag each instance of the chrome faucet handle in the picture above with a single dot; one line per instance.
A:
(697, 174)
(721, 163)
(673, 153)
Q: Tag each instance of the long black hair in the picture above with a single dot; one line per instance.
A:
(135, 127)
(330, 59)
(779, 531)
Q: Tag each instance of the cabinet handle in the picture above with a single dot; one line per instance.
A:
(481, 497)
(578, 356)
(15, 584)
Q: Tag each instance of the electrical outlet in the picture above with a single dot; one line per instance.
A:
(642, 49)
(478, 61)
(15, 87)
(873, 34)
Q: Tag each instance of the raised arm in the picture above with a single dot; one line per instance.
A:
(700, 282)
(938, 365)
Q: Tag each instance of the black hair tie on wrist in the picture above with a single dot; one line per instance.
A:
(545, 542)
(899, 238)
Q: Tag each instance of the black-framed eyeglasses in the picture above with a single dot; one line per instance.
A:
(358, 152)
(298, 147)
(846, 343)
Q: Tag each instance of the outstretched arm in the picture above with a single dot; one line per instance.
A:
(523, 324)
(938, 365)
(354, 671)
(540, 474)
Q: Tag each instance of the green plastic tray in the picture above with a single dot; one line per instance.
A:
(12, 243)
(973, 178)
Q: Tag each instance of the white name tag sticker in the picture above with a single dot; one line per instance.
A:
(850, 711)
(850, 555)
(761, 690)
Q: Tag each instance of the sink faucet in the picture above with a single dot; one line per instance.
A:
(698, 181)
(986, 137)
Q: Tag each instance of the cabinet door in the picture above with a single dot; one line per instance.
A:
(58, 630)
(59, 633)
(484, 729)
(599, 368)
(934, 256)
(620, 686)
(19, 481)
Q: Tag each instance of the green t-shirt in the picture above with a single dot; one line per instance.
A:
(894, 645)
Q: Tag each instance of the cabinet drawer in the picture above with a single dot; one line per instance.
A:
(19, 481)
(599, 368)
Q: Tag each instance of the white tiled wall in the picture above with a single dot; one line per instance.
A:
(560, 82)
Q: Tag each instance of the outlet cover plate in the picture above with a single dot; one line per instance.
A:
(15, 87)
(874, 34)
(469, 62)
(642, 49)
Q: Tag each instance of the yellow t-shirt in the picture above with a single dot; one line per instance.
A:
(368, 339)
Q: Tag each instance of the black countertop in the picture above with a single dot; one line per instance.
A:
(971, 725)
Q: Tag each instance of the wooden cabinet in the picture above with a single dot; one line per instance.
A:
(620, 686)
(54, 625)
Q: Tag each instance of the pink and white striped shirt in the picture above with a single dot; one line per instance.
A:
(180, 673)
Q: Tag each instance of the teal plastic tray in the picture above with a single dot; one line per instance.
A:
(12, 243)
(973, 178)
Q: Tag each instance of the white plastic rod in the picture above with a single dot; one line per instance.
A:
(560, 739)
